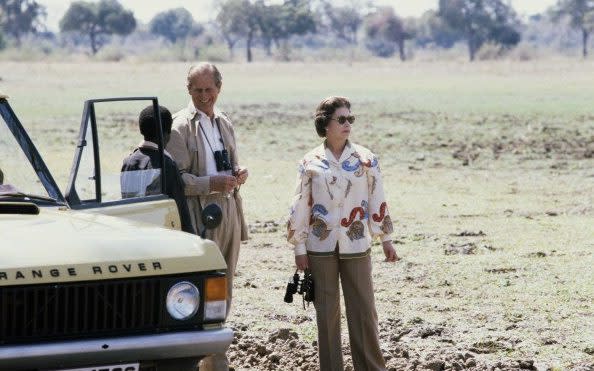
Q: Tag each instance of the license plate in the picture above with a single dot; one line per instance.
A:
(126, 367)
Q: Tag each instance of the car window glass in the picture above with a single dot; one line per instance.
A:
(15, 168)
(140, 183)
(120, 141)
(85, 181)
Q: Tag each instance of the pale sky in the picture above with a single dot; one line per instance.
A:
(203, 10)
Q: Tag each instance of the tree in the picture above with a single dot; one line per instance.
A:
(237, 20)
(243, 19)
(481, 21)
(174, 24)
(98, 20)
(581, 17)
(296, 18)
(385, 32)
(432, 29)
(2, 43)
(19, 17)
(343, 21)
(278, 22)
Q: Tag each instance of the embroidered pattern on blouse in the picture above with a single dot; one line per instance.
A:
(290, 231)
(319, 225)
(387, 226)
(348, 188)
(320, 229)
(379, 217)
(358, 167)
(322, 163)
(356, 231)
(328, 189)
(318, 209)
(301, 168)
(361, 211)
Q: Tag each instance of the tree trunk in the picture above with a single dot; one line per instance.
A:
(585, 36)
(401, 49)
(268, 46)
(17, 39)
(472, 43)
(248, 46)
(94, 48)
(230, 45)
(472, 48)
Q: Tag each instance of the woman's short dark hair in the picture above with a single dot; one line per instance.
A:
(325, 110)
(148, 122)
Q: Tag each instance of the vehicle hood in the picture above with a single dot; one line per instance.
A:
(60, 245)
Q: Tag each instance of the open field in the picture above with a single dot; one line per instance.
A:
(489, 173)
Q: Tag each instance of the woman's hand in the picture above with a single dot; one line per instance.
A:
(389, 252)
(301, 262)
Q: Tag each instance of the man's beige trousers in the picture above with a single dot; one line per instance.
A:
(228, 237)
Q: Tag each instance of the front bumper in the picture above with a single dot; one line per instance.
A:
(115, 350)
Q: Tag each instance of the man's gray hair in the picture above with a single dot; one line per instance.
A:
(205, 67)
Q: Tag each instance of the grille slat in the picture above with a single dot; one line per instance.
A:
(14, 315)
(76, 310)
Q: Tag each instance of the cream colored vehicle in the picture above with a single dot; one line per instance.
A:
(93, 281)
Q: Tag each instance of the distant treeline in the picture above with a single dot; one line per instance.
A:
(491, 26)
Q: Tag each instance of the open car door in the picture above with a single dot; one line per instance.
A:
(108, 134)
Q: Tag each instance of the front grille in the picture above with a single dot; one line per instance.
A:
(81, 309)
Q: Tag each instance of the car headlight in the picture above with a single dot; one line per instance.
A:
(183, 300)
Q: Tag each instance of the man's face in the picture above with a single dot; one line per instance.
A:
(204, 92)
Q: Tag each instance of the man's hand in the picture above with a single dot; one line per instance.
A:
(389, 252)
(241, 175)
(222, 183)
(301, 262)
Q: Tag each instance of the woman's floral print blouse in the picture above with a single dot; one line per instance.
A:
(338, 202)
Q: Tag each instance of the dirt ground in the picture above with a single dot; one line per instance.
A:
(489, 176)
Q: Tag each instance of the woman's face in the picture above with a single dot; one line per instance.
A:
(335, 131)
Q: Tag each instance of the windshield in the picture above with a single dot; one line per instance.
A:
(17, 174)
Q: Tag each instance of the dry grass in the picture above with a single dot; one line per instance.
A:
(490, 176)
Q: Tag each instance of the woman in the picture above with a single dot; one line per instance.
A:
(338, 207)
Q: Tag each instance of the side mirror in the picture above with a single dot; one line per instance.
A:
(212, 215)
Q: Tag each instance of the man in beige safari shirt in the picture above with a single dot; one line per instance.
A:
(203, 145)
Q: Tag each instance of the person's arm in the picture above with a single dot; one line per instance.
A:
(241, 173)
(298, 225)
(175, 190)
(178, 148)
(380, 222)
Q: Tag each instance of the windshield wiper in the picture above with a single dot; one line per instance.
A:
(31, 197)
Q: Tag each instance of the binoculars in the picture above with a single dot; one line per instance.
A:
(302, 286)
(222, 160)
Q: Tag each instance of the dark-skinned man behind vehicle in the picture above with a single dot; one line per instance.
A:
(141, 170)
(203, 145)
